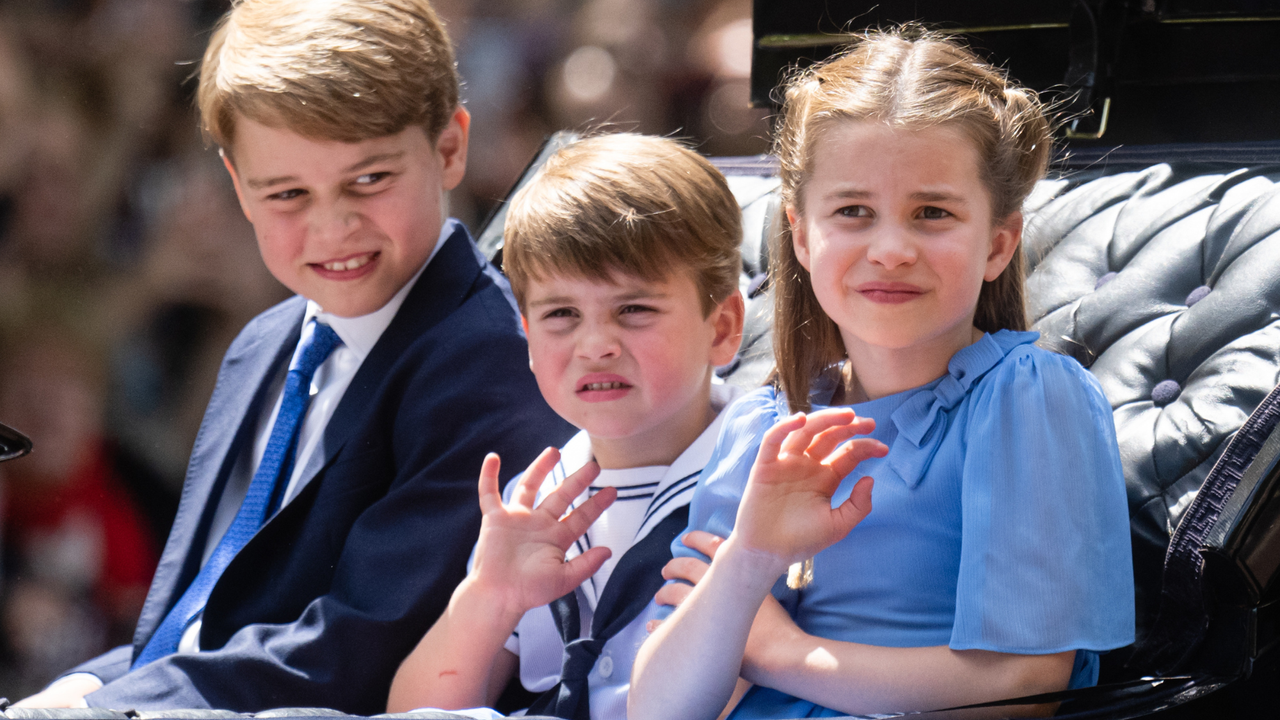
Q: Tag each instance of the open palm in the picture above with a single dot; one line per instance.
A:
(520, 553)
(786, 510)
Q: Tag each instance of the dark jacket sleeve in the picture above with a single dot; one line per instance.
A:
(412, 474)
(107, 666)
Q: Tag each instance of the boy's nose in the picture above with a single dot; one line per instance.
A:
(891, 247)
(332, 224)
(598, 342)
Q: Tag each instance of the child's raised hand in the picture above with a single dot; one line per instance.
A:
(786, 510)
(520, 553)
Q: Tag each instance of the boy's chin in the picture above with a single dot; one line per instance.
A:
(349, 298)
(350, 307)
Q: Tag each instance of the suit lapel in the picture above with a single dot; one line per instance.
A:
(440, 289)
(229, 421)
(230, 418)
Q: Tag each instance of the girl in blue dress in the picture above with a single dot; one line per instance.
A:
(996, 563)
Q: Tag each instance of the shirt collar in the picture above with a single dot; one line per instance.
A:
(675, 490)
(577, 452)
(360, 334)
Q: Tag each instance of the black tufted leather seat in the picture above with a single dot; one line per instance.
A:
(1165, 283)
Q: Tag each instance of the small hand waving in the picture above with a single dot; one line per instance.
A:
(786, 510)
(520, 553)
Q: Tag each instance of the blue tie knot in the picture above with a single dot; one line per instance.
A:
(315, 349)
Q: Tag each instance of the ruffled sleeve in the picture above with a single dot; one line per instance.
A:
(714, 507)
(1045, 563)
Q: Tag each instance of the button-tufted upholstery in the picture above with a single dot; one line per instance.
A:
(1165, 283)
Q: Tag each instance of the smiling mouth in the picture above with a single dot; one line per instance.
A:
(354, 263)
(604, 386)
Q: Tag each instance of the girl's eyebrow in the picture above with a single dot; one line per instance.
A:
(850, 194)
(922, 196)
(937, 196)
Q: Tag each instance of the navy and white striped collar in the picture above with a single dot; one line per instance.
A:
(675, 490)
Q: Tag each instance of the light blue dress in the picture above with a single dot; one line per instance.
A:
(999, 517)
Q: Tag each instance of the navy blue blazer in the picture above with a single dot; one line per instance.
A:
(320, 607)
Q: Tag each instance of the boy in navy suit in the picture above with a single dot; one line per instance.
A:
(330, 501)
(623, 252)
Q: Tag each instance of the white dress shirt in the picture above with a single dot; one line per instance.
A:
(358, 335)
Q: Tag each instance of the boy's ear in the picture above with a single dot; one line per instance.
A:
(1005, 238)
(524, 323)
(799, 239)
(727, 319)
(235, 181)
(452, 148)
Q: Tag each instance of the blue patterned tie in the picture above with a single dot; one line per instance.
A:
(263, 495)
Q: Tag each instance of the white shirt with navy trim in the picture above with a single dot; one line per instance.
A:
(646, 496)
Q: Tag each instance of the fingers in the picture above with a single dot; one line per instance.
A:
(566, 492)
(672, 594)
(527, 489)
(852, 511)
(582, 516)
(702, 541)
(577, 570)
(828, 440)
(691, 570)
(490, 495)
(771, 442)
(815, 423)
(846, 457)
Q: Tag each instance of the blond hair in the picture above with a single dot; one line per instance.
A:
(911, 79)
(345, 70)
(626, 203)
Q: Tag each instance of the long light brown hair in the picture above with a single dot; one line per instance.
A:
(911, 79)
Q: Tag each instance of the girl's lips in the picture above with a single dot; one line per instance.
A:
(348, 268)
(889, 293)
(601, 387)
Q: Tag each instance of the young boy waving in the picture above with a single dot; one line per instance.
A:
(623, 254)
(330, 501)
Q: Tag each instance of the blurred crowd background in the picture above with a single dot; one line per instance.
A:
(126, 267)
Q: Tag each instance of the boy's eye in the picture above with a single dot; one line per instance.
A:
(289, 194)
(933, 213)
(563, 312)
(637, 316)
(630, 309)
(369, 179)
(854, 211)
